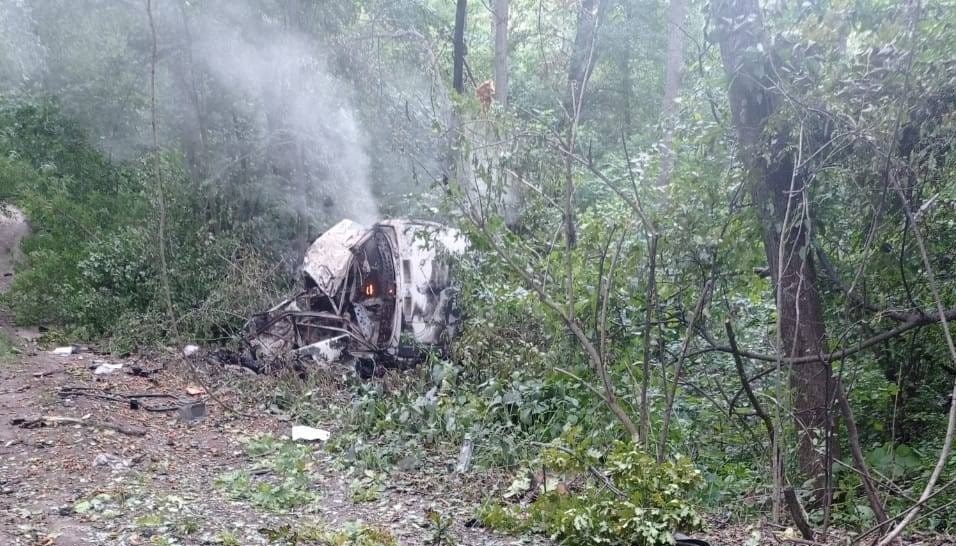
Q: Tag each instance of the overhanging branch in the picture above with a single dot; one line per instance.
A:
(915, 320)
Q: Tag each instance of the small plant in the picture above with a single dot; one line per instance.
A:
(359, 535)
(439, 531)
(288, 485)
(367, 488)
(227, 538)
(495, 516)
(188, 526)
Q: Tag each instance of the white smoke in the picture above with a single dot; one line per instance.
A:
(304, 113)
(21, 56)
(94, 56)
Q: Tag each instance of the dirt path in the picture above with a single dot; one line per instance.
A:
(179, 483)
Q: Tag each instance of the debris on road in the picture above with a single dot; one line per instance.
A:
(190, 350)
(56, 420)
(112, 461)
(66, 350)
(193, 390)
(382, 296)
(135, 400)
(192, 411)
(309, 434)
(106, 368)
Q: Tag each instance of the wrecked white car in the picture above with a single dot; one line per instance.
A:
(381, 296)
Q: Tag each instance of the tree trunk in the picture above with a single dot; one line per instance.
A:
(627, 82)
(501, 51)
(673, 68)
(778, 195)
(458, 55)
(583, 58)
(196, 140)
(583, 54)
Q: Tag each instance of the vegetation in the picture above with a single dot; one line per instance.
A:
(288, 483)
(710, 241)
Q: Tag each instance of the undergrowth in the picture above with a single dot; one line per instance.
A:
(618, 497)
(7, 348)
(280, 479)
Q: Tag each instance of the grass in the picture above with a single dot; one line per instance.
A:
(8, 349)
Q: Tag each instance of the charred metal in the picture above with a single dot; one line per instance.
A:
(382, 295)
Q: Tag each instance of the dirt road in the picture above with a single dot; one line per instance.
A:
(180, 483)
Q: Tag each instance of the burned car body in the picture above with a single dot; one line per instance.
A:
(382, 294)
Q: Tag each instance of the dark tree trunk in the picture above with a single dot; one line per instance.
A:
(458, 55)
(583, 53)
(778, 195)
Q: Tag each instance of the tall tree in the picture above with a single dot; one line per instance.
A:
(778, 189)
(501, 51)
(673, 68)
(583, 53)
(458, 53)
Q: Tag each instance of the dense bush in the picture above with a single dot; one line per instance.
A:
(90, 267)
(619, 497)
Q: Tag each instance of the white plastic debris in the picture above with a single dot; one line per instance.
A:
(190, 350)
(67, 350)
(107, 368)
(112, 461)
(309, 434)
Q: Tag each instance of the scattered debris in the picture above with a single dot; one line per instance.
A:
(112, 461)
(192, 411)
(309, 434)
(684, 540)
(66, 350)
(106, 368)
(134, 399)
(464, 456)
(382, 294)
(55, 420)
(193, 390)
(190, 350)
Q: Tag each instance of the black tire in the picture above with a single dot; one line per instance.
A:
(365, 368)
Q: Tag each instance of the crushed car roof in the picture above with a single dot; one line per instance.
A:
(328, 259)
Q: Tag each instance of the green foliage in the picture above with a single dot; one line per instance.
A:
(650, 503)
(869, 89)
(352, 534)
(359, 535)
(288, 483)
(367, 487)
(439, 529)
(90, 265)
(7, 349)
(636, 501)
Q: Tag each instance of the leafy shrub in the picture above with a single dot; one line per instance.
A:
(91, 265)
(637, 502)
